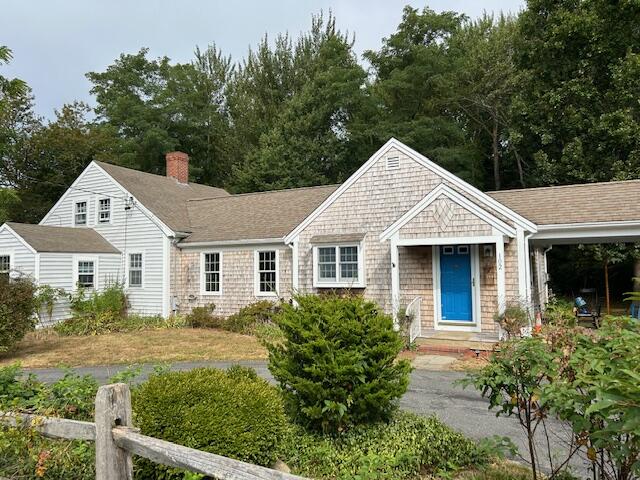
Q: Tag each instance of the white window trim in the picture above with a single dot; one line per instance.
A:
(337, 283)
(96, 266)
(204, 292)
(128, 267)
(98, 222)
(73, 211)
(11, 255)
(256, 272)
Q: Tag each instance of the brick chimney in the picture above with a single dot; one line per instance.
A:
(178, 166)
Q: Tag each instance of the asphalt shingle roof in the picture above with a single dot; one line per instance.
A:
(45, 238)
(582, 203)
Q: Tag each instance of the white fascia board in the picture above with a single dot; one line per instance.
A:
(421, 159)
(440, 191)
(588, 231)
(7, 228)
(233, 243)
(145, 211)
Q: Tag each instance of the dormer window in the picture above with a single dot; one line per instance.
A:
(104, 210)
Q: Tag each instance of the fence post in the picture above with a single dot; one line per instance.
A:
(113, 409)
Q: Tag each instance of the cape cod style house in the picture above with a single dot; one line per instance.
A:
(401, 230)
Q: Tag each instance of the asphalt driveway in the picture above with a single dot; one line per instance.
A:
(430, 393)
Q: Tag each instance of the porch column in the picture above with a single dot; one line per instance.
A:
(395, 280)
(500, 275)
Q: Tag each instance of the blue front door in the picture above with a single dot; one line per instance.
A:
(455, 283)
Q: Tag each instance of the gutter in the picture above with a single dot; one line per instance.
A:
(240, 242)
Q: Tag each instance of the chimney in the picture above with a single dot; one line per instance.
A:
(178, 166)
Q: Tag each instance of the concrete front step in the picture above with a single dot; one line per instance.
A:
(457, 345)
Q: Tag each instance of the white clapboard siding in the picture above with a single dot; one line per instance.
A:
(22, 259)
(129, 231)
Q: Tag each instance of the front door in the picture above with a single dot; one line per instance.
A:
(456, 284)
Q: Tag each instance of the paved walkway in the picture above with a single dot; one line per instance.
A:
(432, 391)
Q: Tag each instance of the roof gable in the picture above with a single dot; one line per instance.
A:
(460, 184)
(447, 192)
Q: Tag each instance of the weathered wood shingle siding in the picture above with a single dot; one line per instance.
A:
(130, 231)
(238, 277)
(374, 202)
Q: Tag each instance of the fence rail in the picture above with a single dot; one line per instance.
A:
(117, 440)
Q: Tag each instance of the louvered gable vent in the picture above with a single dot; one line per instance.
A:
(393, 163)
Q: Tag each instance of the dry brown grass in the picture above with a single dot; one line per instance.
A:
(47, 349)
(469, 364)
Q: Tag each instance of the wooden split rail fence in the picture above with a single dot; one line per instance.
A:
(117, 440)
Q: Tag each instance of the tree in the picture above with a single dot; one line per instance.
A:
(51, 157)
(575, 111)
(312, 140)
(415, 79)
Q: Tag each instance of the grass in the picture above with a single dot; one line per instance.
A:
(45, 348)
(502, 470)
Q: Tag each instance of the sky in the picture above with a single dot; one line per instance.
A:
(55, 42)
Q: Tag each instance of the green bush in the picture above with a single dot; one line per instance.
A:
(203, 317)
(559, 312)
(18, 307)
(233, 414)
(250, 317)
(513, 319)
(337, 364)
(407, 446)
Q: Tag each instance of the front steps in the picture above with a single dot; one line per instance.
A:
(456, 343)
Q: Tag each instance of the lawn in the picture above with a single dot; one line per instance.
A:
(45, 348)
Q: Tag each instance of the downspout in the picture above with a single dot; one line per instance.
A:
(295, 272)
(527, 271)
(173, 293)
(546, 273)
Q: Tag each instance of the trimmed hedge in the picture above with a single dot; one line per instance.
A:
(234, 414)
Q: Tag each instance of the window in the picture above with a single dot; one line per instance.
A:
(135, 270)
(5, 265)
(338, 266)
(86, 274)
(80, 213)
(104, 210)
(267, 281)
(211, 272)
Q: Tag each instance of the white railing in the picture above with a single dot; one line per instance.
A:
(116, 441)
(413, 311)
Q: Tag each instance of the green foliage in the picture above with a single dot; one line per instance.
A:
(17, 310)
(598, 393)
(46, 298)
(407, 446)
(24, 453)
(559, 312)
(203, 317)
(230, 413)
(251, 316)
(513, 319)
(513, 381)
(338, 365)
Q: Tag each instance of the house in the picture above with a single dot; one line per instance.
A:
(401, 230)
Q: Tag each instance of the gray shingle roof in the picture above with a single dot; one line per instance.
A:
(163, 196)
(62, 239)
(253, 215)
(583, 203)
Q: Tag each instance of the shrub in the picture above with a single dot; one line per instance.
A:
(251, 316)
(513, 319)
(597, 392)
(559, 312)
(46, 298)
(202, 317)
(229, 413)
(337, 364)
(96, 313)
(17, 310)
(407, 446)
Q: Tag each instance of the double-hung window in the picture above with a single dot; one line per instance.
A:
(5, 265)
(86, 274)
(338, 266)
(266, 272)
(104, 210)
(80, 213)
(135, 270)
(211, 273)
